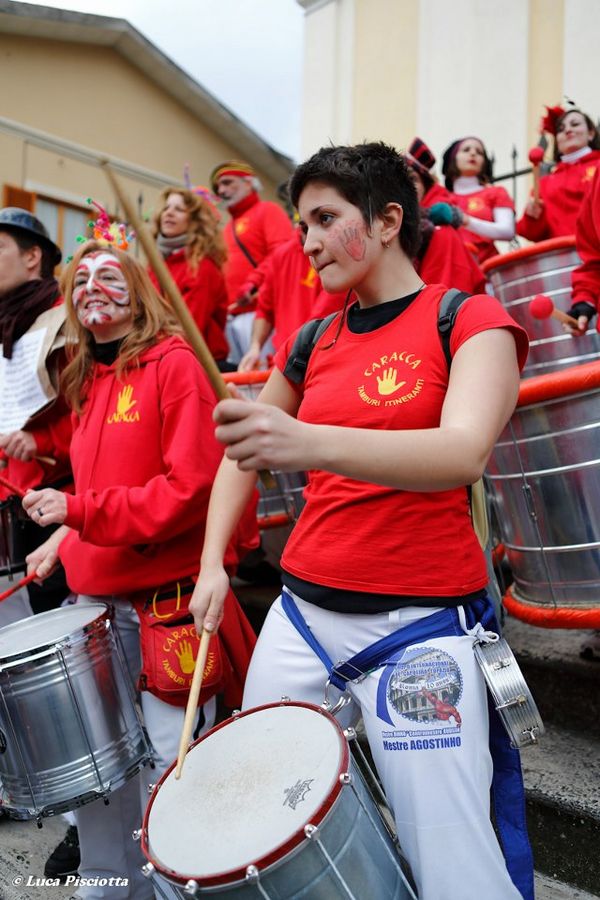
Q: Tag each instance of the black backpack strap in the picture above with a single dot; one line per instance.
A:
(306, 340)
(244, 249)
(448, 310)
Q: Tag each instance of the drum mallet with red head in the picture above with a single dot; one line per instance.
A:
(542, 307)
(536, 155)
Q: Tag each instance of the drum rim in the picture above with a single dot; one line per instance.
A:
(10, 659)
(565, 242)
(281, 851)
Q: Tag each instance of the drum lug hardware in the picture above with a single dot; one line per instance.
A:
(191, 888)
(501, 663)
(532, 732)
(285, 699)
(350, 734)
(252, 874)
(147, 870)
(345, 778)
(311, 832)
(235, 713)
(332, 709)
(515, 701)
(151, 788)
(136, 835)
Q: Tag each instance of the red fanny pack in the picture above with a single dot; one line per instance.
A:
(169, 643)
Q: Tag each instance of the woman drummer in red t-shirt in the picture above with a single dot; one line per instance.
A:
(385, 543)
(488, 211)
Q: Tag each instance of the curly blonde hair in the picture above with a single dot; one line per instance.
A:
(152, 319)
(204, 234)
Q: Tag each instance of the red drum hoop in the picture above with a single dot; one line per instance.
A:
(504, 259)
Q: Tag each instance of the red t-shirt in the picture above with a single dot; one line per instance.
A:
(359, 536)
(562, 193)
(481, 205)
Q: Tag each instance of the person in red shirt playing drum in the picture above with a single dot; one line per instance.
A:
(186, 228)
(255, 229)
(488, 211)
(577, 157)
(144, 458)
(287, 298)
(384, 547)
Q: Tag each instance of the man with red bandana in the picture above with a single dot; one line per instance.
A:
(255, 229)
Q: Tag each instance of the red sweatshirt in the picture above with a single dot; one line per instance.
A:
(562, 193)
(586, 277)
(144, 458)
(290, 290)
(447, 261)
(261, 226)
(205, 295)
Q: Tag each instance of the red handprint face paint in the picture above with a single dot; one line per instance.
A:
(343, 249)
(101, 296)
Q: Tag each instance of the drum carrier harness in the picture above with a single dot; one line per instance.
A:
(477, 619)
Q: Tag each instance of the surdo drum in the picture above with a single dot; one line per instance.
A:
(271, 805)
(69, 729)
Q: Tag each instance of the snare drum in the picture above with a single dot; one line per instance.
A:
(271, 805)
(69, 729)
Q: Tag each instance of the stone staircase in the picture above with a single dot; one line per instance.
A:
(562, 774)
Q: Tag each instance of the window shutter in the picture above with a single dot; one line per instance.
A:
(14, 196)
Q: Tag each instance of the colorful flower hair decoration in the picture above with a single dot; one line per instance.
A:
(112, 234)
(554, 114)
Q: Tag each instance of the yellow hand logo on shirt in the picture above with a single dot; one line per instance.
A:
(124, 401)
(125, 404)
(185, 657)
(387, 384)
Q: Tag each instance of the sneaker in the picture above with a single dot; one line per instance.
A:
(64, 859)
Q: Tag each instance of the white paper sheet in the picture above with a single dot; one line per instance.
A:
(21, 391)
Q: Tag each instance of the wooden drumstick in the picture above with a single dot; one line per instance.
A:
(542, 307)
(536, 155)
(192, 704)
(12, 487)
(46, 459)
(171, 290)
(20, 584)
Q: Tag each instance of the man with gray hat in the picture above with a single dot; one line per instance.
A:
(35, 427)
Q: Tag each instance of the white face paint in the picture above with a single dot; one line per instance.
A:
(101, 297)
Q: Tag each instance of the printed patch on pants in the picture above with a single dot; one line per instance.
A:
(418, 695)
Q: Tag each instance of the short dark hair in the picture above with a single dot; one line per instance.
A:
(370, 176)
(26, 241)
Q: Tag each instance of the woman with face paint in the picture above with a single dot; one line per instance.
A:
(186, 228)
(144, 458)
(562, 192)
(488, 212)
(385, 546)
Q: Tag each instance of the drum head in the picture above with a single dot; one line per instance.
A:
(46, 629)
(246, 792)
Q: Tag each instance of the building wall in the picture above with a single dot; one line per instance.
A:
(94, 97)
(442, 70)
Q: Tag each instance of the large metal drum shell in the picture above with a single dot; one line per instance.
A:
(545, 268)
(47, 744)
(557, 446)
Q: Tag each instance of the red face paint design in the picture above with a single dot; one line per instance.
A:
(100, 293)
(353, 241)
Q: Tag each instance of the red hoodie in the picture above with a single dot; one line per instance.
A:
(205, 295)
(144, 458)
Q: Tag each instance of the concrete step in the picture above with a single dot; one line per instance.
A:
(562, 782)
(566, 688)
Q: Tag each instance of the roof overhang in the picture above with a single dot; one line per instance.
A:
(103, 31)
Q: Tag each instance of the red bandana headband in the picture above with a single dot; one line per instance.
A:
(231, 167)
